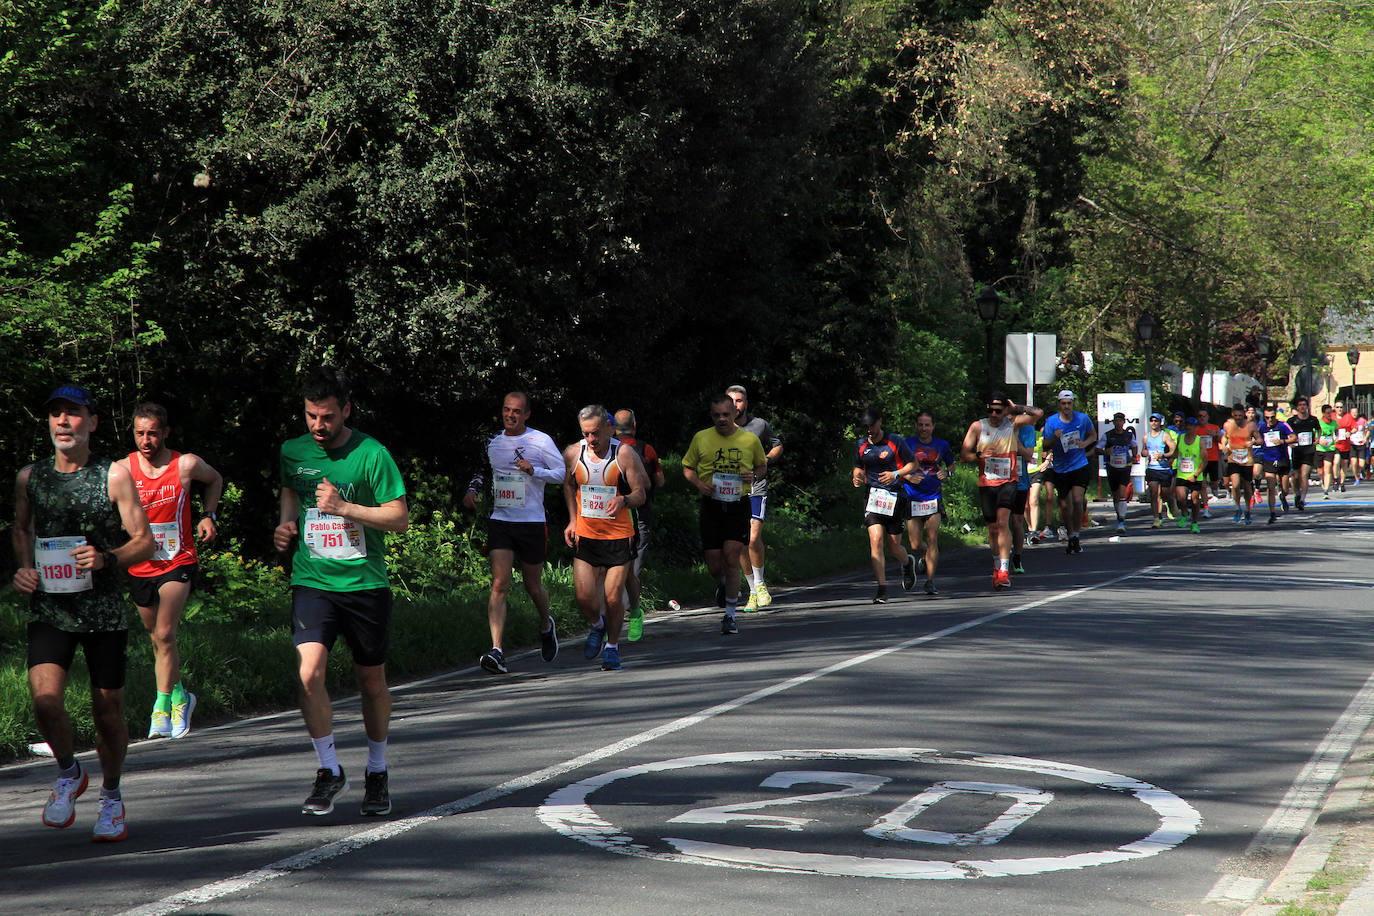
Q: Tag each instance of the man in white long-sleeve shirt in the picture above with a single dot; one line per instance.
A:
(523, 461)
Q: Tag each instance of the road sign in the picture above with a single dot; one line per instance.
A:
(1025, 351)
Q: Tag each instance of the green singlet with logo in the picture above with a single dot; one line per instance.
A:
(77, 506)
(333, 553)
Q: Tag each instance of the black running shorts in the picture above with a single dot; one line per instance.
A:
(363, 618)
(144, 589)
(105, 652)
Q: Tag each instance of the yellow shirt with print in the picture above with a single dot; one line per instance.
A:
(711, 452)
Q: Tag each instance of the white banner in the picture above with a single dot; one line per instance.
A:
(1136, 406)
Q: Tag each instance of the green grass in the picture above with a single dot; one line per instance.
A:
(236, 643)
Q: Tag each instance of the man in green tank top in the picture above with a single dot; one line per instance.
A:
(340, 492)
(77, 522)
(1190, 486)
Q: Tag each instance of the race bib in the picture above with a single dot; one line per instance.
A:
(1305, 438)
(1206, 442)
(881, 502)
(1240, 456)
(168, 537)
(1186, 465)
(997, 468)
(596, 501)
(508, 490)
(1324, 441)
(1156, 456)
(1121, 456)
(1342, 434)
(56, 567)
(331, 537)
(1070, 440)
(1359, 437)
(728, 488)
(922, 507)
(1271, 438)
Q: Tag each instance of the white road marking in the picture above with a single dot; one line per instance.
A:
(1294, 815)
(568, 812)
(312, 857)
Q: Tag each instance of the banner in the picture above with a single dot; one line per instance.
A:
(1135, 405)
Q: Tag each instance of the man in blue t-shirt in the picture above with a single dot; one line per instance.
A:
(1275, 438)
(923, 486)
(1068, 434)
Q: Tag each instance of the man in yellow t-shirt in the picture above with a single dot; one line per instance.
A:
(722, 462)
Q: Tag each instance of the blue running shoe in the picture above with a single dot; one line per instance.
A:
(610, 660)
(596, 638)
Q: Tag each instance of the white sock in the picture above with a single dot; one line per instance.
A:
(324, 750)
(600, 623)
(753, 583)
(758, 576)
(1120, 510)
(613, 645)
(376, 756)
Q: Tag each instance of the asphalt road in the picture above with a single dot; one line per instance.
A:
(1146, 727)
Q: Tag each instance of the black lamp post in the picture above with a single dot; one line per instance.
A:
(988, 303)
(1264, 346)
(1353, 357)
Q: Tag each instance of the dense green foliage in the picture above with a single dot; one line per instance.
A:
(639, 203)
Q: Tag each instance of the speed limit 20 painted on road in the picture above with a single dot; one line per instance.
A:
(873, 813)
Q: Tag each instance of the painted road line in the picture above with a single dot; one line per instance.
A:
(312, 857)
(1294, 815)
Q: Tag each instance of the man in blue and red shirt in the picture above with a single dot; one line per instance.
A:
(923, 488)
(880, 461)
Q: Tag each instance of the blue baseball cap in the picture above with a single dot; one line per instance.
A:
(74, 393)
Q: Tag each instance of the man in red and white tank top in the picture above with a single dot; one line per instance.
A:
(993, 444)
(160, 586)
(603, 483)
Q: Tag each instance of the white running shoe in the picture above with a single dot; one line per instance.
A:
(109, 826)
(60, 810)
(181, 716)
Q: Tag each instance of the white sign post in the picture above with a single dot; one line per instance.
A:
(1030, 361)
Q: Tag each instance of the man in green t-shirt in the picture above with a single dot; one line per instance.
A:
(341, 491)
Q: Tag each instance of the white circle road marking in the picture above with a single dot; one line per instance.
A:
(568, 812)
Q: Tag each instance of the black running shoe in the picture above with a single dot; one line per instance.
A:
(909, 573)
(1016, 566)
(376, 795)
(720, 596)
(494, 661)
(881, 596)
(327, 787)
(1076, 544)
(728, 627)
(921, 564)
(548, 642)
(930, 587)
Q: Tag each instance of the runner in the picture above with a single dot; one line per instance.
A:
(1069, 432)
(603, 483)
(1345, 425)
(722, 463)
(1122, 451)
(1326, 449)
(1159, 469)
(993, 444)
(1025, 452)
(71, 514)
(1239, 436)
(751, 561)
(923, 488)
(880, 461)
(1041, 492)
(160, 586)
(1303, 454)
(1275, 438)
(1359, 446)
(523, 462)
(1189, 486)
(340, 493)
(1210, 434)
(625, 426)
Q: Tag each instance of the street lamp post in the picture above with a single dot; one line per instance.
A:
(988, 302)
(1264, 346)
(1353, 357)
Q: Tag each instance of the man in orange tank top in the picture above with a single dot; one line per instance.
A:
(160, 586)
(603, 483)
